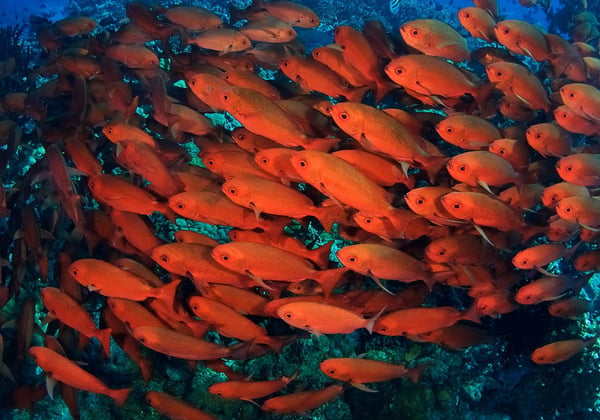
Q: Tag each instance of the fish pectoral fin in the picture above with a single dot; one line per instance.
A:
(593, 229)
(255, 209)
(251, 401)
(525, 101)
(378, 281)
(485, 186)
(362, 387)
(50, 384)
(545, 272)
(527, 51)
(590, 116)
(258, 280)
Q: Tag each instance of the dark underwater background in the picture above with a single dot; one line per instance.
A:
(495, 381)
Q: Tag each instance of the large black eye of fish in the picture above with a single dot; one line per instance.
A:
(225, 257)
(368, 220)
(180, 206)
(287, 315)
(232, 191)
(538, 136)
(462, 168)
(414, 32)
(210, 162)
(506, 31)
(351, 259)
(331, 371)
(284, 63)
(142, 339)
(344, 116)
(420, 201)
(499, 73)
(164, 258)
(569, 168)
(442, 253)
(572, 95)
(302, 163)
(399, 70)
(74, 272)
(456, 206)
(449, 130)
(568, 210)
(225, 97)
(264, 160)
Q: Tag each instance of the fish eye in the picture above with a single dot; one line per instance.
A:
(302, 163)
(225, 97)
(554, 198)
(142, 340)
(264, 160)
(456, 206)
(164, 258)
(225, 257)
(420, 201)
(226, 77)
(449, 130)
(499, 73)
(218, 393)
(288, 314)
(331, 371)
(564, 115)
(74, 272)
(538, 136)
(414, 32)
(462, 168)
(195, 306)
(285, 63)
(180, 206)
(569, 168)
(232, 191)
(210, 162)
(442, 253)
(524, 262)
(506, 31)
(568, 209)
(502, 151)
(351, 259)
(467, 15)
(109, 131)
(368, 220)
(316, 53)
(240, 136)
(384, 329)
(344, 116)
(572, 95)
(399, 70)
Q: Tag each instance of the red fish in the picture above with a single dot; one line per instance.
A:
(560, 351)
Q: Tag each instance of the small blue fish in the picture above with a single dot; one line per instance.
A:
(394, 6)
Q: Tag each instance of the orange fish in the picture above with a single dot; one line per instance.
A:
(381, 133)
(548, 139)
(272, 121)
(358, 371)
(250, 142)
(174, 407)
(223, 40)
(536, 257)
(133, 56)
(468, 131)
(116, 192)
(497, 303)
(293, 13)
(230, 323)
(194, 260)
(560, 351)
(415, 321)
(582, 210)
(426, 202)
(556, 192)
(402, 224)
(322, 318)
(478, 22)
(333, 58)
(461, 249)
(313, 76)
(514, 151)
(250, 390)
(244, 301)
(176, 344)
(573, 123)
(379, 169)
(111, 281)
(266, 262)
(482, 168)
(62, 307)
(434, 37)
(548, 288)
(268, 29)
(570, 308)
(250, 80)
(207, 87)
(383, 262)
(583, 100)
(433, 77)
(523, 38)
(519, 84)
(588, 261)
(73, 26)
(581, 169)
(302, 401)
(193, 18)
(358, 53)
(338, 180)
(457, 337)
(276, 162)
(59, 368)
(258, 195)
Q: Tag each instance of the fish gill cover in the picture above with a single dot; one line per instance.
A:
(300, 210)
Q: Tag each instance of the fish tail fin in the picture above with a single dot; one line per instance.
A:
(120, 395)
(328, 215)
(482, 95)
(276, 343)
(471, 314)
(382, 88)
(320, 144)
(433, 165)
(356, 94)
(328, 279)
(415, 373)
(146, 369)
(104, 337)
(320, 255)
(167, 292)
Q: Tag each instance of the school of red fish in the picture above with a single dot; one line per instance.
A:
(438, 176)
